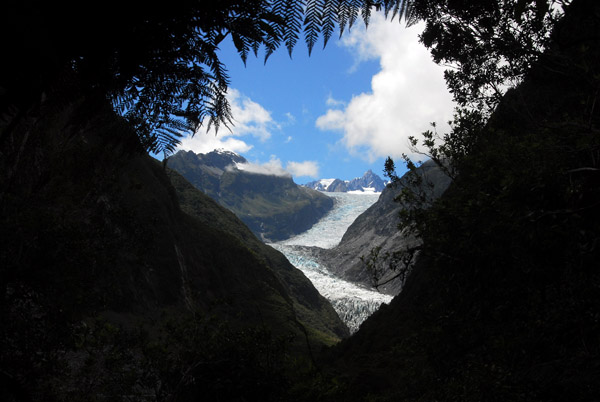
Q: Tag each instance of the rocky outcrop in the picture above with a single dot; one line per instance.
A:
(378, 227)
(368, 182)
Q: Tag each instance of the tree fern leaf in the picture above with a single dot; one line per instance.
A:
(293, 21)
(272, 39)
(312, 22)
(366, 12)
(241, 46)
(329, 18)
(353, 10)
(342, 15)
(398, 9)
(409, 15)
(255, 46)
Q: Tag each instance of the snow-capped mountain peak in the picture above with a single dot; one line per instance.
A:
(369, 182)
(325, 183)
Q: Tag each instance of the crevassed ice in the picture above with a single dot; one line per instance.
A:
(352, 302)
(328, 232)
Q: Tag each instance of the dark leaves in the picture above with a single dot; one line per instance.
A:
(167, 78)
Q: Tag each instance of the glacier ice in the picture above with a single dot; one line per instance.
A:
(352, 302)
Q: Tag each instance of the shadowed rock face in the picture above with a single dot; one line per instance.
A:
(378, 227)
(273, 207)
(92, 226)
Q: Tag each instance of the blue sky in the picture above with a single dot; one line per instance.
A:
(334, 114)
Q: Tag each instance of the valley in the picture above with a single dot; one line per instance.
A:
(353, 303)
(200, 278)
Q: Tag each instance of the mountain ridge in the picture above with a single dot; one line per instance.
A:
(273, 206)
(369, 181)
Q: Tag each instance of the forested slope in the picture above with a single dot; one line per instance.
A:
(110, 288)
(273, 207)
(503, 304)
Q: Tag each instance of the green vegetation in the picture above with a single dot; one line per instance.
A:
(503, 302)
(273, 207)
(311, 308)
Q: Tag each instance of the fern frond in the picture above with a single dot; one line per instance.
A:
(353, 10)
(292, 25)
(410, 15)
(272, 40)
(342, 16)
(329, 18)
(185, 79)
(397, 8)
(241, 46)
(312, 22)
(366, 12)
(219, 111)
(255, 45)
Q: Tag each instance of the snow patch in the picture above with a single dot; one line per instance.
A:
(326, 183)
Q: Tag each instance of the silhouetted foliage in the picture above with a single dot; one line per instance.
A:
(502, 303)
(158, 64)
(487, 45)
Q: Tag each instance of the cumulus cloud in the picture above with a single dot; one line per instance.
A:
(274, 167)
(204, 142)
(304, 169)
(249, 119)
(407, 94)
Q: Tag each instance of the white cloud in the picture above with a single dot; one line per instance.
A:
(407, 94)
(249, 119)
(291, 119)
(273, 167)
(204, 142)
(331, 101)
(306, 168)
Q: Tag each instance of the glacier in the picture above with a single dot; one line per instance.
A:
(353, 303)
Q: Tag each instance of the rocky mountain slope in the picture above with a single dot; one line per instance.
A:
(377, 227)
(310, 307)
(368, 182)
(273, 207)
(102, 271)
(503, 304)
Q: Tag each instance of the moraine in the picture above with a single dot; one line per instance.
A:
(353, 303)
